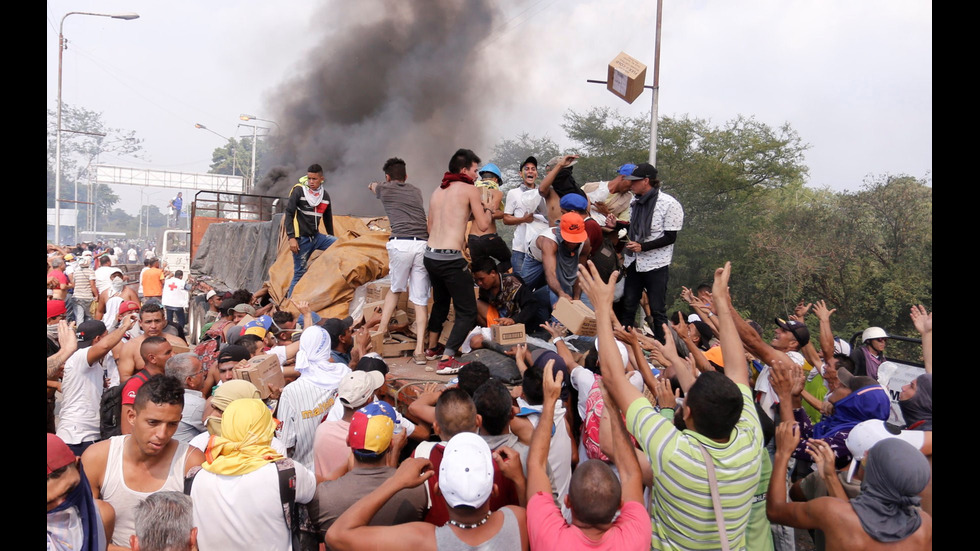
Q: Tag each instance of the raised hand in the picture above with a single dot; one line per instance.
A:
(921, 319)
(821, 311)
(823, 456)
(666, 398)
(599, 293)
(552, 382)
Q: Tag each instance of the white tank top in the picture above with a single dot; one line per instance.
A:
(124, 500)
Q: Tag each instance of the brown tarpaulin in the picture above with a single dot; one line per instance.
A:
(359, 256)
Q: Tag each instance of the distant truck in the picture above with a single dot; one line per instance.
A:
(223, 222)
(175, 250)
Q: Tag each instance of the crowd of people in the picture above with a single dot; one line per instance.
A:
(652, 431)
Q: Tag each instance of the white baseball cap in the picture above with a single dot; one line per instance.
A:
(866, 434)
(622, 351)
(466, 471)
(210, 294)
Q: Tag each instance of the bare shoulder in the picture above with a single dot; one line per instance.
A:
(94, 460)
(174, 339)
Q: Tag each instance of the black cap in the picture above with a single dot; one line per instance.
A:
(88, 331)
(799, 330)
(336, 326)
(531, 160)
(370, 363)
(233, 353)
(643, 170)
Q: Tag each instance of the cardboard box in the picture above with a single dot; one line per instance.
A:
(261, 371)
(575, 316)
(506, 335)
(399, 317)
(392, 349)
(376, 291)
(626, 76)
(178, 349)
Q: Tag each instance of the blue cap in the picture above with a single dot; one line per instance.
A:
(573, 201)
(492, 169)
(627, 169)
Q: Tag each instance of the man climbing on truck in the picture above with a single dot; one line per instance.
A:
(307, 209)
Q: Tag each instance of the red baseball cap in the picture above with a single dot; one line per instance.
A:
(128, 306)
(59, 454)
(573, 227)
(56, 307)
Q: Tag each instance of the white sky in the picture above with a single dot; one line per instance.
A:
(853, 78)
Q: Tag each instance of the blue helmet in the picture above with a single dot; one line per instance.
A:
(492, 169)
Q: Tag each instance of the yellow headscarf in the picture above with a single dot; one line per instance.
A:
(244, 445)
(228, 392)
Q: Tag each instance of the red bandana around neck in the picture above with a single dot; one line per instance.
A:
(451, 177)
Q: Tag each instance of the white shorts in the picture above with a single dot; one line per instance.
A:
(407, 271)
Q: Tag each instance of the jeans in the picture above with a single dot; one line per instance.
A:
(307, 245)
(451, 281)
(517, 261)
(533, 273)
(176, 315)
(77, 310)
(654, 283)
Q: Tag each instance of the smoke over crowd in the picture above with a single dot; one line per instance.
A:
(383, 78)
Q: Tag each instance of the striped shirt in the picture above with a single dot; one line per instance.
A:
(302, 406)
(681, 510)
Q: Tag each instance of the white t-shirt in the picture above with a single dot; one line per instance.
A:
(668, 215)
(132, 255)
(768, 398)
(81, 391)
(245, 511)
(520, 201)
(174, 293)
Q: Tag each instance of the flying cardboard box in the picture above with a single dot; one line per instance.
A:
(506, 335)
(261, 371)
(575, 316)
(626, 76)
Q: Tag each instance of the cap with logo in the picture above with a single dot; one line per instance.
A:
(128, 306)
(799, 330)
(88, 331)
(573, 227)
(643, 170)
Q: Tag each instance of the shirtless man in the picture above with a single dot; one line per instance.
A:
(117, 288)
(450, 208)
(488, 243)
(152, 321)
(124, 469)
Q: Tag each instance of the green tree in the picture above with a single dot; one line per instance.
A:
(239, 153)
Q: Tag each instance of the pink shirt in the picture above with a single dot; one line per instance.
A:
(330, 446)
(547, 529)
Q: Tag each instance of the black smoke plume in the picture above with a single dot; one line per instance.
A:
(386, 78)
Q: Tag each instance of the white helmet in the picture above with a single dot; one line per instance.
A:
(873, 333)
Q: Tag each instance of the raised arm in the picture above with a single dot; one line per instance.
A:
(624, 454)
(601, 295)
(922, 319)
(731, 341)
(826, 333)
(350, 532)
(537, 456)
(549, 179)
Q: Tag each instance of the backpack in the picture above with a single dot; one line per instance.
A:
(208, 349)
(301, 541)
(110, 409)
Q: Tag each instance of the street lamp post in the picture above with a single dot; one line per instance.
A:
(234, 147)
(246, 117)
(57, 154)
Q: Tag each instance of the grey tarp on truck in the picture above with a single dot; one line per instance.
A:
(237, 255)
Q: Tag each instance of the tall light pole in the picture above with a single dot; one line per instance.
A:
(245, 117)
(57, 155)
(656, 90)
(234, 150)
